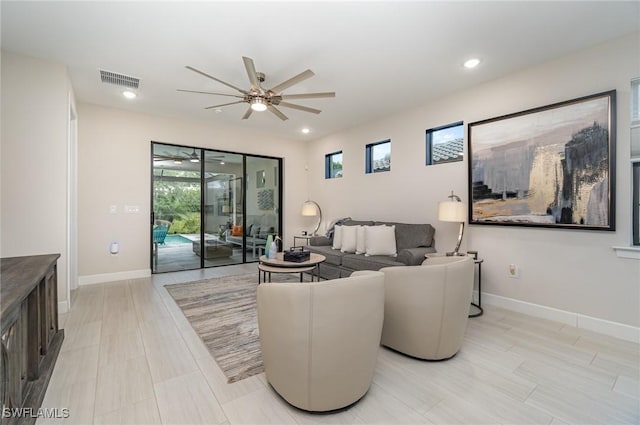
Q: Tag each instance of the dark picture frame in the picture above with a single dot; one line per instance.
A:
(552, 166)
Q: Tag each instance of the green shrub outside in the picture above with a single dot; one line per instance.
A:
(186, 223)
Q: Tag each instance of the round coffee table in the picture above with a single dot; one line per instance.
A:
(279, 265)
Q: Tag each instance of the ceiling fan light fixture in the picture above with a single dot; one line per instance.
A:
(258, 105)
(260, 99)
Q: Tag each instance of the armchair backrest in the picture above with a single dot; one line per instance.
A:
(427, 306)
(320, 340)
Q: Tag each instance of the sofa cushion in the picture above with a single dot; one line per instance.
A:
(337, 237)
(349, 239)
(236, 231)
(412, 235)
(380, 240)
(319, 240)
(414, 256)
(334, 256)
(361, 238)
(358, 223)
(374, 262)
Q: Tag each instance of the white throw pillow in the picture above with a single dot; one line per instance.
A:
(381, 240)
(361, 233)
(349, 239)
(337, 237)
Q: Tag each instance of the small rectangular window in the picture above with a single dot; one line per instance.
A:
(445, 144)
(378, 157)
(333, 165)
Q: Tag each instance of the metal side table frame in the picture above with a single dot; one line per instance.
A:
(478, 261)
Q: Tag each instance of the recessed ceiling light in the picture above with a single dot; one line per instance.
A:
(472, 63)
(306, 130)
(217, 110)
(129, 94)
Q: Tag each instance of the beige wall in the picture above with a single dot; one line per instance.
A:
(34, 163)
(571, 270)
(114, 169)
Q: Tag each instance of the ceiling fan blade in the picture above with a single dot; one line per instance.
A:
(216, 79)
(299, 107)
(251, 72)
(224, 104)
(210, 92)
(294, 80)
(279, 114)
(247, 114)
(308, 95)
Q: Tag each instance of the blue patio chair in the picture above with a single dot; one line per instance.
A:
(159, 233)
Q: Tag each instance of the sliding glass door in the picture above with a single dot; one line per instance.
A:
(223, 206)
(176, 194)
(211, 208)
(263, 202)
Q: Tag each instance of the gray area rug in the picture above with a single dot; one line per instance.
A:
(223, 313)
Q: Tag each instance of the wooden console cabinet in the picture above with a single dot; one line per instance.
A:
(30, 338)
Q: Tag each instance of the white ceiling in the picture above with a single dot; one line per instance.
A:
(379, 57)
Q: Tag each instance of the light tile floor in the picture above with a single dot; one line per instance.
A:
(131, 357)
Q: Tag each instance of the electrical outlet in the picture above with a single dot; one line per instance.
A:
(513, 271)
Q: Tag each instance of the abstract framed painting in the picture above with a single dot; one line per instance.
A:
(552, 166)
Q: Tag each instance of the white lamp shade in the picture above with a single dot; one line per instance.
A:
(452, 211)
(309, 209)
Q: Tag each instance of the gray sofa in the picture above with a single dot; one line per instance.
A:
(256, 238)
(413, 241)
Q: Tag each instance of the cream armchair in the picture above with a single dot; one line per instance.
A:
(320, 340)
(426, 307)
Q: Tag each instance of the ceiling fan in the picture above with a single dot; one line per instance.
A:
(184, 156)
(260, 99)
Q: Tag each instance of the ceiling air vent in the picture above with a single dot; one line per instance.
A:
(119, 79)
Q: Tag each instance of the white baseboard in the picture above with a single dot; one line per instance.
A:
(615, 329)
(113, 277)
(63, 307)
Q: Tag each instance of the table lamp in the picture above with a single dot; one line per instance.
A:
(453, 211)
